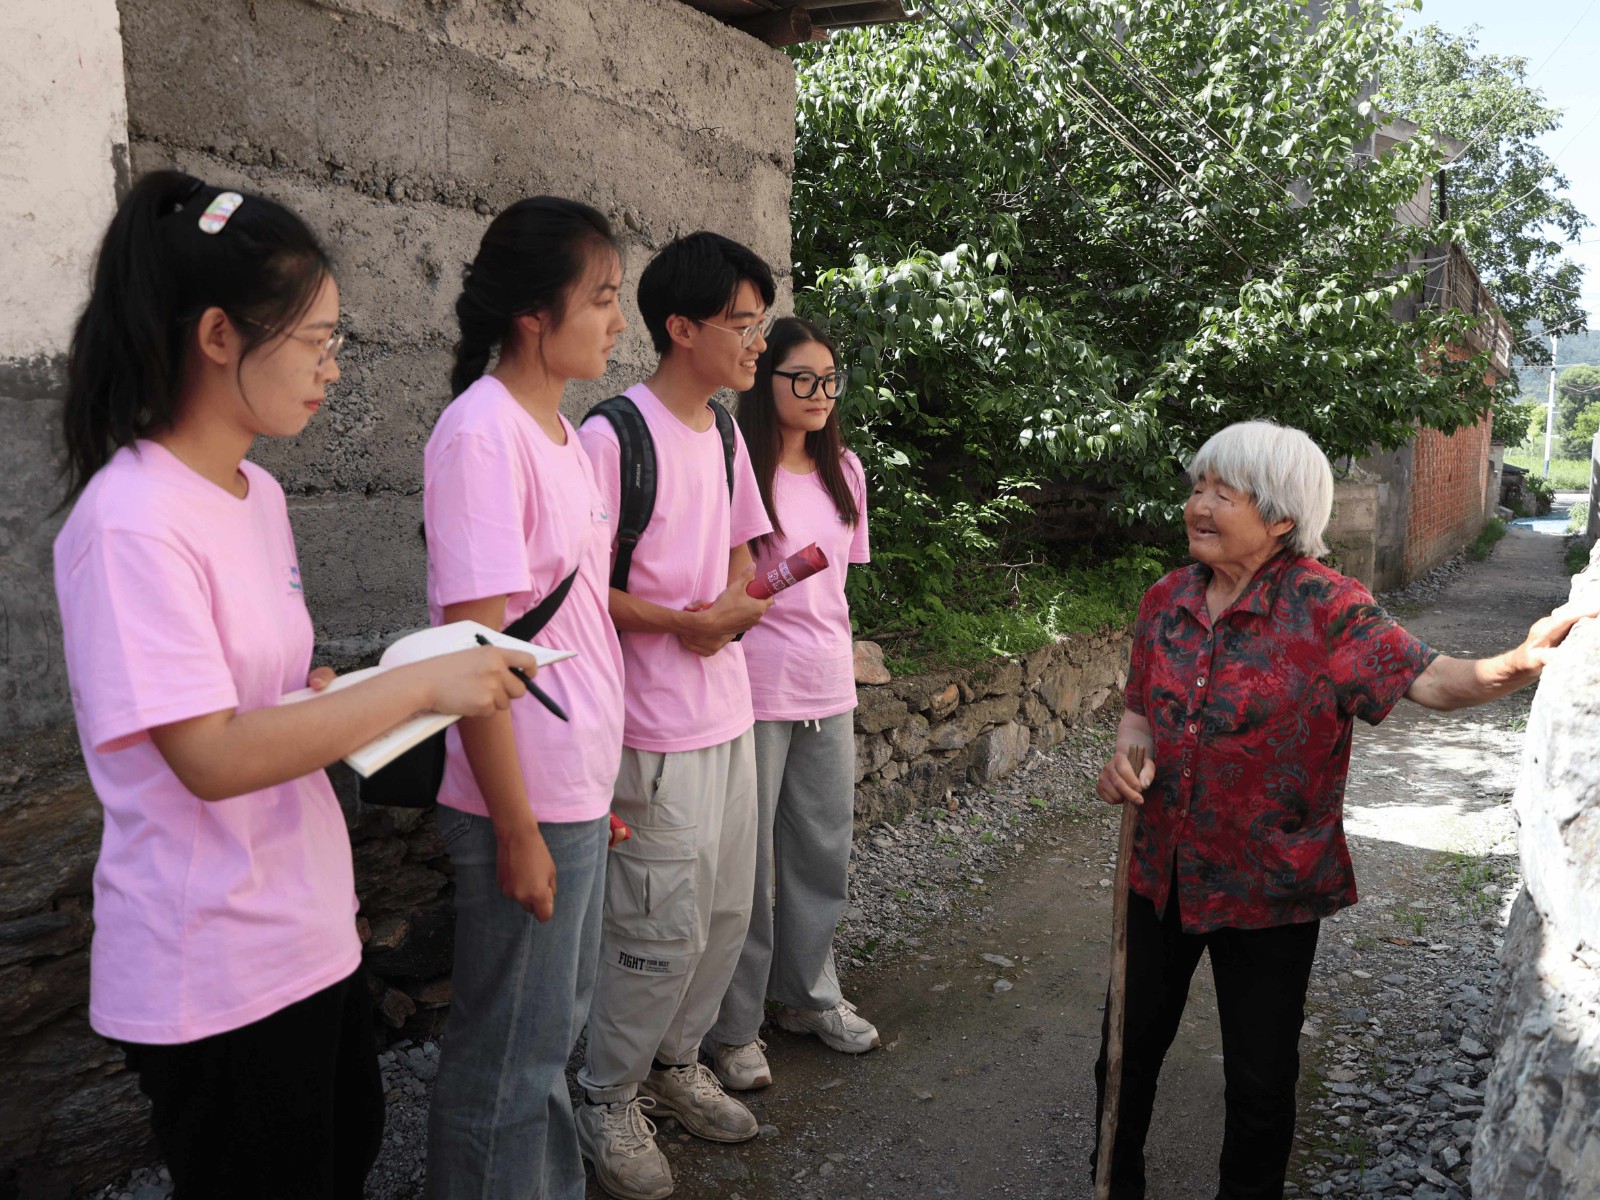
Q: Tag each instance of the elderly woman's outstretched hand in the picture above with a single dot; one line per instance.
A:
(1451, 683)
(1547, 633)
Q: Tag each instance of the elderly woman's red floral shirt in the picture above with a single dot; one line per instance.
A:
(1252, 720)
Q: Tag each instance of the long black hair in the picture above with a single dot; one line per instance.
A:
(758, 421)
(157, 272)
(530, 256)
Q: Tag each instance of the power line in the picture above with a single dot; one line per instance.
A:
(1090, 111)
(1489, 124)
(1177, 101)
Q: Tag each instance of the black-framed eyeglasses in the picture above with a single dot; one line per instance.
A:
(747, 333)
(805, 383)
(329, 346)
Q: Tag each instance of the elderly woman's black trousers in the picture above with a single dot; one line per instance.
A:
(1261, 978)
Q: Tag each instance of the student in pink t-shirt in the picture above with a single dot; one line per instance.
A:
(802, 682)
(513, 518)
(678, 892)
(225, 958)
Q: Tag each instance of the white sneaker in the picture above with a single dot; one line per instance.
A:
(693, 1095)
(742, 1068)
(838, 1027)
(621, 1143)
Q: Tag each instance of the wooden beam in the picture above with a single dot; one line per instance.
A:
(788, 28)
(840, 14)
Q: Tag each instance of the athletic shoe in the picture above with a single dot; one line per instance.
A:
(838, 1027)
(621, 1143)
(693, 1095)
(742, 1068)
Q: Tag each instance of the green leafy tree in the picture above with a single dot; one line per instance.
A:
(1504, 193)
(1577, 407)
(1578, 440)
(1078, 240)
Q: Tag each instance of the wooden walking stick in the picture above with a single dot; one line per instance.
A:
(1118, 1002)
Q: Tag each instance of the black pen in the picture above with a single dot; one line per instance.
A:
(533, 689)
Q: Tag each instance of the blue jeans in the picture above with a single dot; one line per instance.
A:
(501, 1124)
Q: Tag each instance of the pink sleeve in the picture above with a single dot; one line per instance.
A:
(474, 503)
(860, 547)
(141, 640)
(749, 514)
(599, 442)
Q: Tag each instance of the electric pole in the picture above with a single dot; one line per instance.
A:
(1550, 407)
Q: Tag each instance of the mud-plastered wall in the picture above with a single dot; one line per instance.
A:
(397, 128)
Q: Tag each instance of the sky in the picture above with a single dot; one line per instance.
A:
(1561, 41)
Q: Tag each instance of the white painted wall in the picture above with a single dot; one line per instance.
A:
(63, 123)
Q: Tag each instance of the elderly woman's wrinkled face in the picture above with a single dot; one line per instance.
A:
(1225, 527)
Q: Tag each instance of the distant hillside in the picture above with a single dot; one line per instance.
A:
(1574, 348)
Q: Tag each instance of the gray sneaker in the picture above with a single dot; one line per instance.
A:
(839, 1027)
(621, 1143)
(693, 1095)
(742, 1068)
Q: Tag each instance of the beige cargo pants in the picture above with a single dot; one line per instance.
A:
(678, 897)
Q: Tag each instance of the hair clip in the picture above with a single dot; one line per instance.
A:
(216, 215)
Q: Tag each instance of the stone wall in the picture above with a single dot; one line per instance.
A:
(1540, 1134)
(917, 737)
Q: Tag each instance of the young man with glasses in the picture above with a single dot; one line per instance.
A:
(678, 892)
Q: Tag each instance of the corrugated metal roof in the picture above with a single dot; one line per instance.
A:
(785, 22)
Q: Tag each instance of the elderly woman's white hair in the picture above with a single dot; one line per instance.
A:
(1285, 472)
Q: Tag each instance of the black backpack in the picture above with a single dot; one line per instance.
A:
(412, 780)
(638, 473)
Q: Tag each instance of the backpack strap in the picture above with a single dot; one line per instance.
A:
(724, 421)
(526, 627)
(637, 471)
(637, 483)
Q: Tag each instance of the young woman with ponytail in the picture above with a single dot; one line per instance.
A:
(802, 682)
(225, 958)
(513, 513)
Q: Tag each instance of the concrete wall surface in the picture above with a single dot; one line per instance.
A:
(63, 151)
(1391, 471)
(397, 128)
(1539, 1138)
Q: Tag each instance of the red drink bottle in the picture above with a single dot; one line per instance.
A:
(802, 564)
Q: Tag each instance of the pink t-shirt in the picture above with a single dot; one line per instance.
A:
(510, 513)
(676, 699)
(801, 660)
(179, 599)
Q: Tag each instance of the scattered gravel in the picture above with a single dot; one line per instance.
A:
(1396, 1043)
(904, 876)
(1426, 589)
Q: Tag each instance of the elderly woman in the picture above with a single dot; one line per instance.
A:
(1249, 668)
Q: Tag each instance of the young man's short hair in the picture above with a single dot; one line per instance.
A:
(697, 276)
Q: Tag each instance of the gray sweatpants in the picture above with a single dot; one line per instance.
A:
(677, 905)
(805, 785)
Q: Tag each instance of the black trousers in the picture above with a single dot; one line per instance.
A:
(1261, 977)
(287, 1108)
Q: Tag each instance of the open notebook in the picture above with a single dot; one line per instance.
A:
(413, 648)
